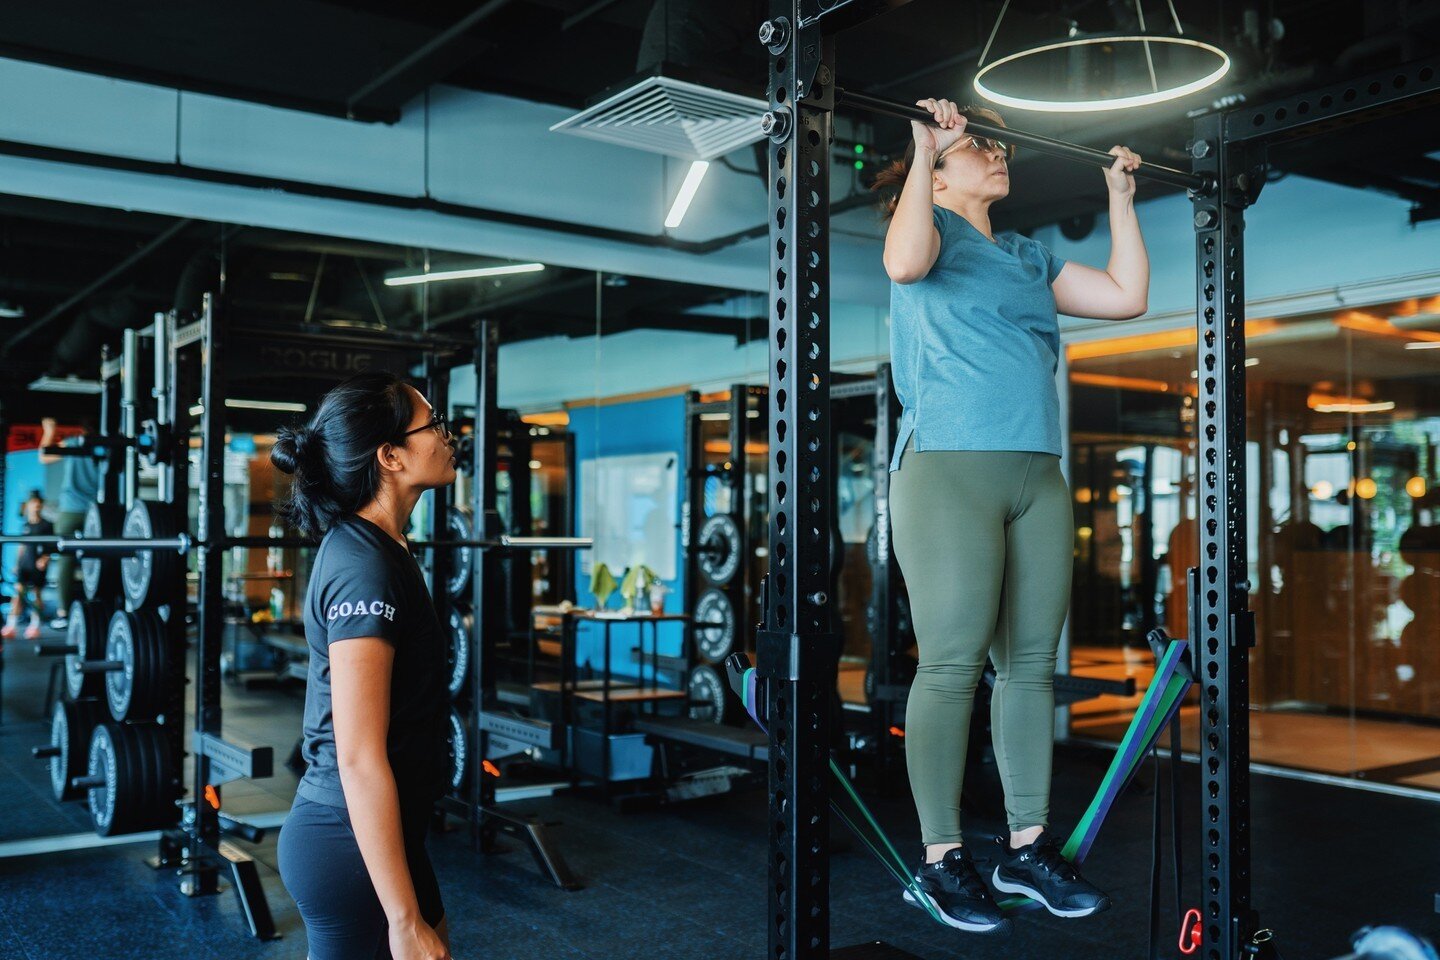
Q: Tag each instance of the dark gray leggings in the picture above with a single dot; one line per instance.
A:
(985, 540)
(321, 866)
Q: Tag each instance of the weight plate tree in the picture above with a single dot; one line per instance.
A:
(717, 575)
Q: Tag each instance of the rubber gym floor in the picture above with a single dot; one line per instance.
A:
(689, 881)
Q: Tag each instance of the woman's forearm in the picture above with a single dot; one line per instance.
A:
(374, 804)
(1129, 264)
(909, 241)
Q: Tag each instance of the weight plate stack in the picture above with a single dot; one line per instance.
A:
(100, 576)
(89, 623)
(130, 780)
(709, 698)
(153, 748)
(457, 654)
(71, 725)
(461, 560)
(457, 743)
(720, 549)
(136, 689)
(714, 626)
(148, 575)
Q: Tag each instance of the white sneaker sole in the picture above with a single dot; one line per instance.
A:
(1004, 923)
(1035, 895)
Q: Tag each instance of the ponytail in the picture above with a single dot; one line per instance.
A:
(332, 458)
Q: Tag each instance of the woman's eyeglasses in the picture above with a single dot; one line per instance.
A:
(984, 145)
(438, 423)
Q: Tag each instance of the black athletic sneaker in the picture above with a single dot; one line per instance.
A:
(954, 888)
(1039, 872)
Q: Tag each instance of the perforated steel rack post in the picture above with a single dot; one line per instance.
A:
(437, 391)
(692, 517)
(172, 380)
(886, 646)
(485, 585)
(110, 476)
(1223, 624)
(205, 829)
(795, 645)
(518, 566)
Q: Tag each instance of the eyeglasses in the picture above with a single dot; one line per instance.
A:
(438, 423)
(983, 145)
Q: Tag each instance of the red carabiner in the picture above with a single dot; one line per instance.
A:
(1190, 929)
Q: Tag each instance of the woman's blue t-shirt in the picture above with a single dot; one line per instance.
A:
(974, 346)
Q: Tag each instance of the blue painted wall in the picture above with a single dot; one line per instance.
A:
(647, 426)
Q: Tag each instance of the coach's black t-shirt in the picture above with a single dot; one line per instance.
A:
(365, 584)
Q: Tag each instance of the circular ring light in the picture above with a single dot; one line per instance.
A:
(1170, 92)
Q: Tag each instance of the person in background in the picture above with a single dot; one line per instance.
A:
(29, 572)
(79, 486)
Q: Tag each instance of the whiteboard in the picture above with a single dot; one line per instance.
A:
(630, 506)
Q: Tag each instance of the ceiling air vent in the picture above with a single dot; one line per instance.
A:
(665, 113)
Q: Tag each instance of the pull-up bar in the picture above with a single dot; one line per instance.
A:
(1047, 145)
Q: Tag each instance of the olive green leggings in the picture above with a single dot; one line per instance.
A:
(985, 540)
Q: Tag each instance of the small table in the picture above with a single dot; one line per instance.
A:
(607, 692)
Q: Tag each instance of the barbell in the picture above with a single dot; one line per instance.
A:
(182, 543)
(144, 556)
(494, 543)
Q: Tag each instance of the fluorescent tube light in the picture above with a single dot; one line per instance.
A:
(686, 194)
(504, 271)
(279, 406)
